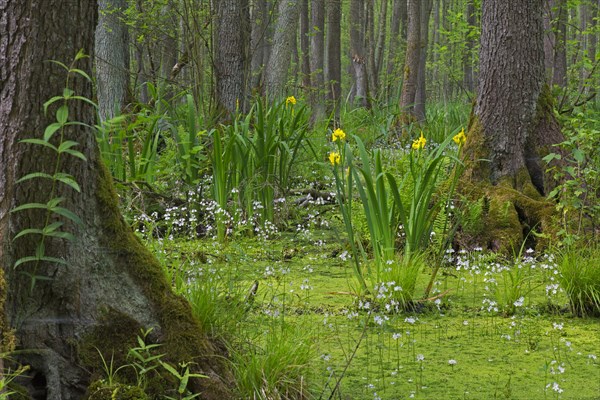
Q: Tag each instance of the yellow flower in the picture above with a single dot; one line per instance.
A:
(460, 138)
(290, 100)
(419, 143)
(334, 158)
(338, 134)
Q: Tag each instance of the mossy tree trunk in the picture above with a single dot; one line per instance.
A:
(108, 285)
(512, 126)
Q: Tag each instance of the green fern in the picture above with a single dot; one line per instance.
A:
(52, 227)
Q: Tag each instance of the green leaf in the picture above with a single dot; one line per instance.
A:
(62, 114)
(171, 370)
(551, 156)
(80, 54)
(76, 153)
(39, 142)
(578, 155)
(24, 260)
(51, 101)
(50, 130)
(67, 144)
(52, 227)
(59, 63)
(67, 180)
(29, 231)
(80, 72)
(67, 93)
(85, 99)
(62, 235)
(30, 206)
(35, 175)
(67, 214)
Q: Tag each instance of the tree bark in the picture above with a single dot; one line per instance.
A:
(397, 44)
(468, 77)
(421, 93)
(260, 20)
(380, 49)
(109, 286)
(358, 54)
(412, 60)
(317, 56)
(276, 73)
(231, 55)
(111, 58)
(334, 56)
(560, 43)
(513, 124)
(304, 47)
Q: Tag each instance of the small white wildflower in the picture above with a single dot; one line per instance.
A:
(557, 326)
(410, 320)
(452, 362)
(420, 357)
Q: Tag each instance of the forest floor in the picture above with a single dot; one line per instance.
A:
(307, 334)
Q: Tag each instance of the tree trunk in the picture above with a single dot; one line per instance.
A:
(111, 58)
(513, 125)
(412, 61)
(260, 18)
(231, 54)
(560, 44)
(468, 78)
(380, 49)
(276, 73)
(358, 55)
(305, 46)
(421, 93)
(396, 45)
(334, 56)
(317, 53)
(105, 285)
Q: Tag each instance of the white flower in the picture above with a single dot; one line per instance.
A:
(410, 320)
(420, 357)
(557, 326)
(519, 302)
(397, 336)
(452, 362)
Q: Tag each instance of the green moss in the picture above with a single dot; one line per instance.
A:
(180, 335)
(99, 390)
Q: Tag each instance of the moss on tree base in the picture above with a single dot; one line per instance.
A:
(180, 336)
(513, 207)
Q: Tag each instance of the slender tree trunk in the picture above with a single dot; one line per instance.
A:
(231, 54)
(370, 46)
(412, 60)
(334, 56)
(560, 44)
(259, 18)
(396, 46)
(111, 58)
(358, 54)
(421, 93)
(104, 285)
(317, 54)
(380, 49)
(276, 73)
(468, 78)
(305, 47)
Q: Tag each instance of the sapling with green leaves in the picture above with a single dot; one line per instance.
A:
(54, 138)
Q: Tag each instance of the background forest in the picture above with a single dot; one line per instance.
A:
(356, 199)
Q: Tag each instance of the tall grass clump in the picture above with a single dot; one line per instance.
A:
(276, 366)
(580, 279)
